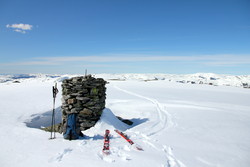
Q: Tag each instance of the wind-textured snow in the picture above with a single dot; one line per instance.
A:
(179, 121)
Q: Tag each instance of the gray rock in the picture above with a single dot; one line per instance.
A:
(86, 111)
(71, 101)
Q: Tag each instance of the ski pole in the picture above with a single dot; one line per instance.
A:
(54, 91)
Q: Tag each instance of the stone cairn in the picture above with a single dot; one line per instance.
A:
(84, 96)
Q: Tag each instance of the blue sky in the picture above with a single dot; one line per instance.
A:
(125, 36)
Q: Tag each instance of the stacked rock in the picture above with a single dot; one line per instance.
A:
(84, 96)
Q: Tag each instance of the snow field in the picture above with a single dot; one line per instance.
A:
(177, 125)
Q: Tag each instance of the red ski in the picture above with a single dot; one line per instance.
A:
(105, 149)
(128, 139)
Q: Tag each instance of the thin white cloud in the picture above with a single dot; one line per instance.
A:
(229, 60)
(209, 60)
(21, 28)
(221, 59)
(121, 58)
(21, 31)
(31, 63)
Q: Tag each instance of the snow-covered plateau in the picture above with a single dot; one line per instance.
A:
(196, 120)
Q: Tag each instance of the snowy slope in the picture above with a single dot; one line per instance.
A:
(178, 125)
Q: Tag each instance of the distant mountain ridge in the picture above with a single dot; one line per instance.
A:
(197, 78)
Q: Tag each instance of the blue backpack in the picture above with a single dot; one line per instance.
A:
(71, 133)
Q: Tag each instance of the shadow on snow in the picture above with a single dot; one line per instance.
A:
(44, 120)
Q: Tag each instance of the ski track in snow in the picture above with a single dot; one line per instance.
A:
(164, 121)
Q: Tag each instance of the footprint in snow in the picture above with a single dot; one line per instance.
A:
(123, 156)
(115, 154)
(106, 158)
(120, 152)
(60, 155)
(82, 143)
(172, 161)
